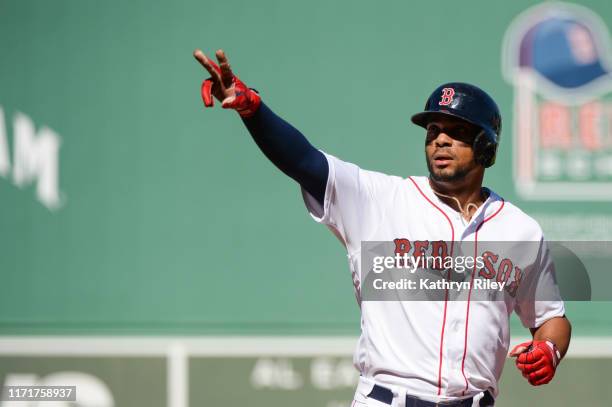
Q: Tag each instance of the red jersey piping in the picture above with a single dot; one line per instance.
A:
(447, 277)
(467, 313)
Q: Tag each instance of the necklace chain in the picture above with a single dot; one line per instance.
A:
(465, 213)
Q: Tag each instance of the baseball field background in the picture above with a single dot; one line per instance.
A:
(153, 256)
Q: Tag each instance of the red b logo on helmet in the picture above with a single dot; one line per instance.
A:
(447, 96)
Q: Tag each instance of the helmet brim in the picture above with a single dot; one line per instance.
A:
(424, 118)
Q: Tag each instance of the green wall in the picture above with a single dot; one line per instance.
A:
(167, 218)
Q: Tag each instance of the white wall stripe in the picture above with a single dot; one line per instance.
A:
(223, 346)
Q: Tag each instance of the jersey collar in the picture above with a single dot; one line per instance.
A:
(488, 207)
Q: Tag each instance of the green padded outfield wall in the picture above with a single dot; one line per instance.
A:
(126, 208)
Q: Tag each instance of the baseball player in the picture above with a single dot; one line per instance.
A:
(423, 353)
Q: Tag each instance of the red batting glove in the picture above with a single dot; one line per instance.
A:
(537, 360)
(245, 101)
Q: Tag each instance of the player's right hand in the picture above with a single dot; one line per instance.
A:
(225, 86)
(537, 361)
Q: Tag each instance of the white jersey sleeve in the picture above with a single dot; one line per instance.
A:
(538, 298)
(350, 206)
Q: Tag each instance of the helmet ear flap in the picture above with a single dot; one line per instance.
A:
(484, 149)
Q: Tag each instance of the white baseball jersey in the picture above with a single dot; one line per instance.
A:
(435, 350)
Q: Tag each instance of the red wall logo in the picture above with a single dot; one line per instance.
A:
(447, 96)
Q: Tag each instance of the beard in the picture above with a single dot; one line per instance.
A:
(447, 175)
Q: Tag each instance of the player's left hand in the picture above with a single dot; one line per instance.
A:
(537, 360)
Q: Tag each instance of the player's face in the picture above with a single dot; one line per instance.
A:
(448, 149)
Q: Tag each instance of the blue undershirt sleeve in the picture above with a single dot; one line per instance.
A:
(289, 150)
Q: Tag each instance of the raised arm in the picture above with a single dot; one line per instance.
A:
(284, 145)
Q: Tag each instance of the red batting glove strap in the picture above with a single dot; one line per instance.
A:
(207, 97)
(539, 362)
